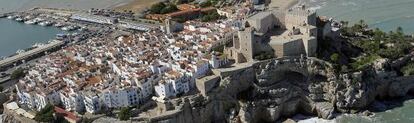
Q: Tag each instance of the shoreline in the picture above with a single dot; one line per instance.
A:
(135, 5)
(30, 43)
(24, 5)
(284, 4)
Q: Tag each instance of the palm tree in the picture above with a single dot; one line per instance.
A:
(400, 30)
(362, 22)
(346, 23)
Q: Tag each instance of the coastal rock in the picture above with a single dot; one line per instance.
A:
(289, 121)
(271, 89)
(325, 110)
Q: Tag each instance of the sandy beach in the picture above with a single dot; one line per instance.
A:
(21, 5)
(136, 5)
(283, 4)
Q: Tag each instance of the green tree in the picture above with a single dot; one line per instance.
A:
(335, 58)
(156, 8)
(399, 34)
(391, 53)
(124, 113)
(206, 4)
(400, 30)
(361, 22)
(212, 16)
(408, 69)
(345, 23)
(378, 34)
(45, 114)
(168, 9)
(19, 72)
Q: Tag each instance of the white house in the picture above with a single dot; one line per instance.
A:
(218, 60)
(120, 97)
(72, 101)
(145, 85)
(26, 98)
(164, 89)
(172, 83)
(92, 102)
(201, 69)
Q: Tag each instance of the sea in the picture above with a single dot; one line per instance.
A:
(16, 35)
(386, 15)
(383, 14)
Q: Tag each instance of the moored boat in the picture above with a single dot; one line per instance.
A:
(11, 17)
(30, 22)
(45, 23)
(20, 51)
(59, 25)
(19, 19)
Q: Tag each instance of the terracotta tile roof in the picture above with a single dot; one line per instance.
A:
(66, 114)
(186, 7)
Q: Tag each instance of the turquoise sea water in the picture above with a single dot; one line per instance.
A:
(15, 35)
(403, 114)
(384, 14)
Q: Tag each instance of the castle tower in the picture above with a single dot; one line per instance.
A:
(246, 43)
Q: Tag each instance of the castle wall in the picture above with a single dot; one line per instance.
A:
(278, 50)
(299, 18)
(311, 45)
(294, 48)
(263, 22)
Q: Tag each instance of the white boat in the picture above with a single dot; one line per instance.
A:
(65, 28)
(38, 45)
(69, 28)
(30, 22)
(58, 25)
(34, 21)
(20, 51)
(11, 17)
(45, 23)
(19, 19)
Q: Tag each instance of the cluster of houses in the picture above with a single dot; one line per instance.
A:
(128, 70)
(106, 73)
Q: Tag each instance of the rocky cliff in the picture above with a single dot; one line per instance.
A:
(267, 91)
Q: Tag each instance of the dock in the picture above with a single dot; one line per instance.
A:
(22, 56)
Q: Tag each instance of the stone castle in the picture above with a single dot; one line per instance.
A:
(290, 33)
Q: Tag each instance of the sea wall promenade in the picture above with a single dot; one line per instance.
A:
(29, 54)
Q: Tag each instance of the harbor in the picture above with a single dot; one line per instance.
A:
(64, 25)
(39, 19)
(21, 57)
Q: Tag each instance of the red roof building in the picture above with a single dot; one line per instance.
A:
(69, 116)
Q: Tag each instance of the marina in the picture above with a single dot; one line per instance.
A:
(16, 35)
(22, 55)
